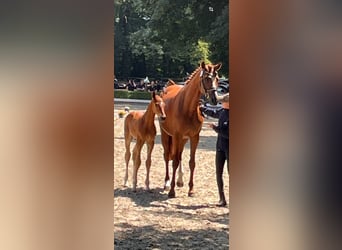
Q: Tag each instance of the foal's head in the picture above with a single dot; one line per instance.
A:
(158, 106)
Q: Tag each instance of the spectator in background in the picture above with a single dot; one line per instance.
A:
(158, 87)
(152, 86)
(142, 85)
(146, 80)
(131, 85)
(146, 83)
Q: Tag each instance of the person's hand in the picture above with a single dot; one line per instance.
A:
(211, 125)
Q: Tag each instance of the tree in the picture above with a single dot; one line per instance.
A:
(220, 40)
(169, 38)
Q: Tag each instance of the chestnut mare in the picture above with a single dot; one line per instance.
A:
(140, 125)
(184, 120)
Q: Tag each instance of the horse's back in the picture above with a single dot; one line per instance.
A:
(131, 124)
(171, 91)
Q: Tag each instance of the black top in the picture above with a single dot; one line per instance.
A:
(222, 129)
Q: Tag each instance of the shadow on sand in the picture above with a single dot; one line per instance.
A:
(142, 197)
(150, 237)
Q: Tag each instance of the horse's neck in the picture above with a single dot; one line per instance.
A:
(148, 116)
(191, 93)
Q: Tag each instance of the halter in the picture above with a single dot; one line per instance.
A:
(210, 76)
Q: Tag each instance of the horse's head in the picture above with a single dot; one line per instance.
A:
(209, 81)
(158, 106)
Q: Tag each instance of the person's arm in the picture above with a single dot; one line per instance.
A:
(212, 112)
(222, 98)
(222, 130)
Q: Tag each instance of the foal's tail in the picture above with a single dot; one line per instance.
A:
(128, 118)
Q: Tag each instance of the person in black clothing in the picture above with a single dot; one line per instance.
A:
(131, 85)
(222, 149)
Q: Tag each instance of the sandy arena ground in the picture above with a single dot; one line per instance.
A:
(149, 220)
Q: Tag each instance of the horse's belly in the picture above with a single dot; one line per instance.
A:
(186, 133)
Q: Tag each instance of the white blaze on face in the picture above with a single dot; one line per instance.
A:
(213, 78)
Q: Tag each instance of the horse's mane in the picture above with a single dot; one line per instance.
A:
(192, 75)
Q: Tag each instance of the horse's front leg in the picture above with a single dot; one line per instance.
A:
(193, 146)
(150, 146)
(166, 145)
(175, 163)
(136, 162)
(176, 155)
(180, 182)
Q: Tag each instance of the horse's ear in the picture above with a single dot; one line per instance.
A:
(203, 65)
(154, 95)
(217, 66)
(172, 82)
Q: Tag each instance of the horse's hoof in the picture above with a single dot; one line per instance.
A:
(180, 184)
(172, 194)
(221, 203)
(166, 188)
(191, 194)
(134, 190)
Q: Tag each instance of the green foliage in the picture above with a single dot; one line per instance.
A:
(220, 40)
(202, 53)
(124, 94)
(169, 38)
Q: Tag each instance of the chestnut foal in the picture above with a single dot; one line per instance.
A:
(140, 126)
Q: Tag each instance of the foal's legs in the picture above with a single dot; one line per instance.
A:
(128, 140)
(150, 146)
(193, 146)
(136, 161)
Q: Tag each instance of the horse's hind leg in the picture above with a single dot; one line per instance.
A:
(136, 162)
(150, 146)
(180, 182)
(128, 140)
(193, 146)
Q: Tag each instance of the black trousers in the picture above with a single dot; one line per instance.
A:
(221, 159)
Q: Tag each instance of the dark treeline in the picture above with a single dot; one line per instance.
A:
(159, 38)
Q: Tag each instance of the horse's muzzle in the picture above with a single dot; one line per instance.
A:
(212, 97)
